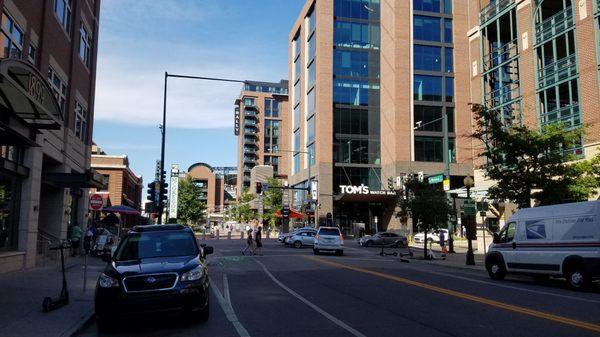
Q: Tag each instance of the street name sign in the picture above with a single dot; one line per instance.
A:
(436, 179)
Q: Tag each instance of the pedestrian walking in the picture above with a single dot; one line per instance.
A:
(258, 239)
(75, 235)
(443, 243)
(249, 242)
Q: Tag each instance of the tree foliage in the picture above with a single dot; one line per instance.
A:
(528, 163)
(425, 204)
(272, 201)
(190, 208)
(242, 211)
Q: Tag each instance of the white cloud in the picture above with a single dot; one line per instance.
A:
(142, 39)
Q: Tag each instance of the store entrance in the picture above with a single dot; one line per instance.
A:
(357, 219)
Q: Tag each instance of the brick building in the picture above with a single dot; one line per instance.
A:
(217, 185)
(261, 114)
(123, 186)
(48, 70)
(371, 83)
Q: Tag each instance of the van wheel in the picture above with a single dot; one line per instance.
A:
(495, 268)
(297, 244)
(576, 277)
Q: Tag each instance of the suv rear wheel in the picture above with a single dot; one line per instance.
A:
(495, 268)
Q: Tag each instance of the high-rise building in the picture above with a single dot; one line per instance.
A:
(261, 113)
(372, 83)
(538, 62)
(48, 73)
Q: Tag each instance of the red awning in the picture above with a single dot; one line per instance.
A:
(293, 214)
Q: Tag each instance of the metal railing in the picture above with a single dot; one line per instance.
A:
(569, 115)
(44, 241)
(557, 71)
(493, 8)
(504, 94)
(554, 25)
(500, 55)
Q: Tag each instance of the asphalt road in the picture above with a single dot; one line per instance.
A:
(290, 292)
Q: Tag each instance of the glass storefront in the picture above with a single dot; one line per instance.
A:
(9, 197)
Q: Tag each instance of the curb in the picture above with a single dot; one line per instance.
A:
(83, 322)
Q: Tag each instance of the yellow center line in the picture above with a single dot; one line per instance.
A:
(501, 305)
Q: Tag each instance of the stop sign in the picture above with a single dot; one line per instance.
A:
(96, 202)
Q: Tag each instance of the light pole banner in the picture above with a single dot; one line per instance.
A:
(173, 192)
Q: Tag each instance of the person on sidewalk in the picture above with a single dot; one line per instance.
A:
(443, 243)
(249, 242)
(258, 238)
(75, 236)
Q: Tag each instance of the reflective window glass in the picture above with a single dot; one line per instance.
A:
(427, 88)
(448, 30)
(428, 58)
(427, 5)
(449, 61)
(427, 28)
(356, 35)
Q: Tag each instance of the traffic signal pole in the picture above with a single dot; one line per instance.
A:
(164, 130)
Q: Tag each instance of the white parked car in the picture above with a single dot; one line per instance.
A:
(433, 236)
(329, 239)
(302, 238)
(557, 240)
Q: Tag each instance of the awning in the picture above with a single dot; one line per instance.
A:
(293, 214)
(26, 93)
(375, 196)
(90, 178)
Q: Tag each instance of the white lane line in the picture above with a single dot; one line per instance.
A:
(310, 304)
(225, 304)
(539, 292)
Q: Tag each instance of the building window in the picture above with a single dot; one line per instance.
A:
(32, 54)
(357, 9)
(356, 35)
(311, 76)
(428, 88)
(448, 30)
(449, 89)
(311, 48)
(427, 28)
(310, 103)
(356, 63)
(271, 107)
(85, 45)
(296, 163)
(62, 9)
(311, 21)
(311, 154)
(297, 114)
(310, 130)
(449, 61)
(429, 149)
(249, 101)
(12, 36)
(81, 117)
(428, 58)
(427, 5)
(353, 92)
(59, 87)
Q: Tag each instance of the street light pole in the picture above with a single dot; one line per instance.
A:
(468, 181)
(164, 127)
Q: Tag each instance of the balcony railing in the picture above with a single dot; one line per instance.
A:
(250, 114)
(502, 95)
(250, 123)
(249, 160)
(501, 54)
(569, 115)
(495, 7)
(554, 25)
(250, 142)
(250, 132)
(557, 71)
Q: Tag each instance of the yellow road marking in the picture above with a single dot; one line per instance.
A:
(509, 307)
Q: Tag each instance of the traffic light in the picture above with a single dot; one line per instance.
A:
(259, 188)
(164, 193)
(152, 192)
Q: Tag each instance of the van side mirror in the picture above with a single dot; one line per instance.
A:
(496, 238)
(206, 250)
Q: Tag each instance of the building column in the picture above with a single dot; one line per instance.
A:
(29, 206)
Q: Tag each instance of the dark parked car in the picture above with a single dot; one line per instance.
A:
(384, 238)
(155, 268)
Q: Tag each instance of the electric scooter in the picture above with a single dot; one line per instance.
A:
(50, 304)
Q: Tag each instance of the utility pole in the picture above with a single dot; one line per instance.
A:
(448, 157)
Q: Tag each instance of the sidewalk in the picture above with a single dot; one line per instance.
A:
(22, 293)
(454, 260)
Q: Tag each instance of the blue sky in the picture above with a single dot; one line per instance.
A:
(140, 40)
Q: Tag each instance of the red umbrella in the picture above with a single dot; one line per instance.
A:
(293, 214)
(121, 210)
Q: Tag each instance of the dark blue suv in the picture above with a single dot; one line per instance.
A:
(155, 268)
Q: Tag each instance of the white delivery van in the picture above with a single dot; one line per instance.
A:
(557, 240)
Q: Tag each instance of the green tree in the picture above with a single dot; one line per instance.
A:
(190, 208)
(521, 160)
(242, 211)
(272, 201)
(425, 204)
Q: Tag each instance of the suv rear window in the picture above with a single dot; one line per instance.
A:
(156, 244)
(329, 231)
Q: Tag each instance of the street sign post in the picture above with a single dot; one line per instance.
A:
(96, 202)
(436, 179)
(469, 207)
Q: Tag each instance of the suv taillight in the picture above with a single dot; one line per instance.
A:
(317, 236)
(341, 239)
